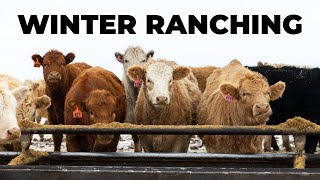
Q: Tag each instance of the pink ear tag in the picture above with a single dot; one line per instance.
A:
(228, 98)
(137, 83)
(119, 59)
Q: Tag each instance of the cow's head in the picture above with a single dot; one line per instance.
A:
(253, 95)
(100, 107)
(133, 56)
(158, 79)
(27, 109)
(9, 100)
(54, 65)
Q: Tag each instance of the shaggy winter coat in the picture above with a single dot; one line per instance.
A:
(214, 109)
(184, 98)
(202, 74)
(98, 93)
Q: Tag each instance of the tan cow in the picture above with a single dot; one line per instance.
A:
(202, 74)
(236, 96)
(169, 96)
(39, 89)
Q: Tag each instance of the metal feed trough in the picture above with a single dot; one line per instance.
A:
(85, 165)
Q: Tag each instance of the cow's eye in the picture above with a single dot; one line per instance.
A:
(45, 65)
(143, 61)
(91, 113)
(170, 81)
(126, 61)
(149, 81)
(244, 94)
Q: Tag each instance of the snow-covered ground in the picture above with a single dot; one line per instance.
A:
(126, 144)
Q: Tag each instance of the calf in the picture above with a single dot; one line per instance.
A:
(58, 74)
(169, 96)
(132, 56)
(236, 96)
(100, 96)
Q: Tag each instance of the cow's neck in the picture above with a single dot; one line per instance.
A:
(172, 114)
(132, 92)
(233, 113)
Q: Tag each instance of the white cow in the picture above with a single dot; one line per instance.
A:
(169, 96)
(132, 56)
(9, 100)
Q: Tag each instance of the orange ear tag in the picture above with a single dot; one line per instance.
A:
(37, 63)
(77, 113)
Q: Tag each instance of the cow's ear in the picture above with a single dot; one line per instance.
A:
(70, 57)
(37, 57)
(32, 85)
(43, 102)
(20, 94)
(119, 57)
(35, 85)
(228, 90)
(72, 104)
(277, 90)
(120, 99)
(180, 73)
(136, 73)
(150, 54)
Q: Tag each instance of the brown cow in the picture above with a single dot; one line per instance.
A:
(100, 95)
(58, 75)
(236, 96)
(169, 96)
(202, 74)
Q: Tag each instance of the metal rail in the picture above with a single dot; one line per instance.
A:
(141, 173)
(171, 130)
(168, 159)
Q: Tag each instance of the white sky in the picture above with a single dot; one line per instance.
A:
(192, 50)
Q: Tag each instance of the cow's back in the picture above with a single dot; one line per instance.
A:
(202, 74)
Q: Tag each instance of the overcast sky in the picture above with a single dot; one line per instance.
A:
(192, 50)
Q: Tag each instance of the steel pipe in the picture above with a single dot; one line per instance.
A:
(172, 130)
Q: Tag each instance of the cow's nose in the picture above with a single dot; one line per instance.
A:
(162, 99)
(54, 75)
(262, 107)
(14, 133)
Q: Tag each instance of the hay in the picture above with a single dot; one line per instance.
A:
(128, 125)
(299, 162)
(298, 123)
(113, 125)
(28, 124)
(24, 159)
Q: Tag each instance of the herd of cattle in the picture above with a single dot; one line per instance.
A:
(158, 92)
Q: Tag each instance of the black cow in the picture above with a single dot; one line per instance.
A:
(301, 97)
